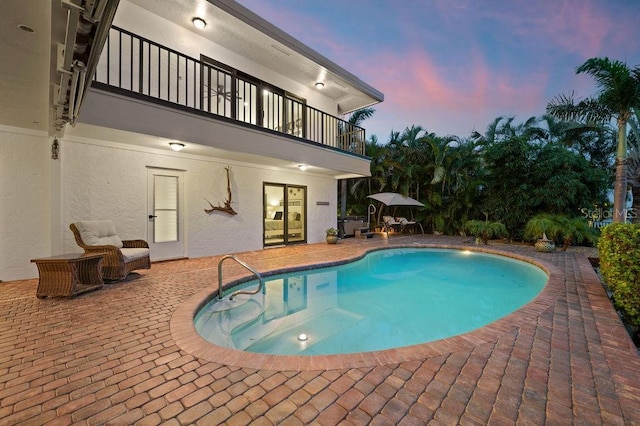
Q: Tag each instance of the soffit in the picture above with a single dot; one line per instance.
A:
(156, 126)
(24, 75)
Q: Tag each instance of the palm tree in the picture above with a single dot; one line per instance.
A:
(618, 94)
(633, 165)
(355, 119)
(361, 187)
(496, 131)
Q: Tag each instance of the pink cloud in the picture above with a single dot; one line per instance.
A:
(455, 67)
(584, 27)
(415, 85)
(587, 28)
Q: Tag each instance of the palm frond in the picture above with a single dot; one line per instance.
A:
(590, 110)
(358, 116)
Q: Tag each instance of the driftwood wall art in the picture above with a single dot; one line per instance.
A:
(227, 203)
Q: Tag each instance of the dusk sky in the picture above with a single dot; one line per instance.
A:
(454, 66)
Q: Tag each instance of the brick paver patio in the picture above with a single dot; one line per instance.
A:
(125, 355)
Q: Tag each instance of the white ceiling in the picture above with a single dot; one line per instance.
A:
(24, 74)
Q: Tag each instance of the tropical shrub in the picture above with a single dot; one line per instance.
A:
(560, 229)
(542, 226)
(524, 179)
(485, 230)
(576, 230)
(619, 252)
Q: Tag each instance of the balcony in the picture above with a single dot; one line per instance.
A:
(137, 67)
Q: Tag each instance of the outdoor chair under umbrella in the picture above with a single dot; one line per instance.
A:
(395, 199)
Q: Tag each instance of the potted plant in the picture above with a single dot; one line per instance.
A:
(485, 230)
(539, 228)
(332, 235)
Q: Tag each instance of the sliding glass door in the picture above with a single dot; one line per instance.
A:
(285, 214)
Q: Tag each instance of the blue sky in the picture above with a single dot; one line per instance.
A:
(454, 66)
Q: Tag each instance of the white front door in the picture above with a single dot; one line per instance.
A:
(165, 200)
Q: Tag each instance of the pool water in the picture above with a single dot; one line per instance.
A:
(390, 298)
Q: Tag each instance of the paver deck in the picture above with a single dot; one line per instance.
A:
(124, 355)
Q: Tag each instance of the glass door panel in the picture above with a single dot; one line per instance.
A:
(284, 214)
(294, 113)
(247, 101)
(274, 214)
(165, 209)
(272, 109)
(296, 213)
(217, 91)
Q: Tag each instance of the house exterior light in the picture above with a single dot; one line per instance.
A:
(199, 23)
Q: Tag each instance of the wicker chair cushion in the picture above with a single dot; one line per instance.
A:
(389, 220)
(130, 254)
(99, 233)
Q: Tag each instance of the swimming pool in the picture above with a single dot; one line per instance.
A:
(389, 298)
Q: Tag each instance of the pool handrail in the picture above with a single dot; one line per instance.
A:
(247, 267)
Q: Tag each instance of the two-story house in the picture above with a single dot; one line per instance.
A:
(99, 95)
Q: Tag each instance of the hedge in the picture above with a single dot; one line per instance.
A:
(619, 252)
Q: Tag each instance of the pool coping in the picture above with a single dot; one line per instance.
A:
(186, 337)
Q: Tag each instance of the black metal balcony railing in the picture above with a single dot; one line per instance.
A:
(132, 63)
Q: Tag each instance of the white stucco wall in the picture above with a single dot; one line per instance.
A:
(25, 167)
(101, 179)
(106, 180)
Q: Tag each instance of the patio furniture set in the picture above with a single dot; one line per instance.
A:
(105, 257)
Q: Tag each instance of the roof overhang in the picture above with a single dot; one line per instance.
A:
(107, 116)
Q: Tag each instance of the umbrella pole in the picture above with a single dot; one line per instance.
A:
(371, 214)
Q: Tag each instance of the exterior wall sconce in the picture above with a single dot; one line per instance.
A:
(55, 149)
(176, 146)
(319, 85)
(199, 23)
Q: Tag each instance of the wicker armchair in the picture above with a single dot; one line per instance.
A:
(120, 256)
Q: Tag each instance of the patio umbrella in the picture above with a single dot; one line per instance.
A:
(395, 199)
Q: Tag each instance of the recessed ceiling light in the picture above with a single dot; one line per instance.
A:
(302, 167)
(199, 23)
(26, 28)
(319, 85)
(176, 146)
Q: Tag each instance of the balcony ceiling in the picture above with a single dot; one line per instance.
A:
(242, 31)
(24, 74)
